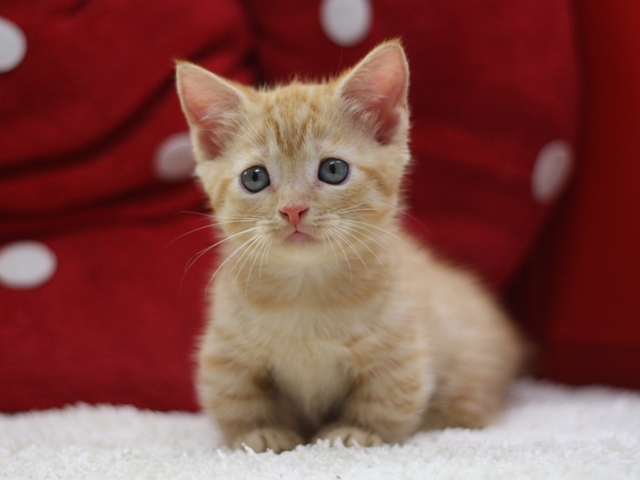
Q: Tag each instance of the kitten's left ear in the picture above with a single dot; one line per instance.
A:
(375, 91)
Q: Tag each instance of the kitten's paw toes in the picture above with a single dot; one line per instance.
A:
(263, 439)
(350, 436)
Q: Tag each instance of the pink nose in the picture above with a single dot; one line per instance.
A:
(294, 213)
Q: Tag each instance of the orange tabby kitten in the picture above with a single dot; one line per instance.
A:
(328, 320)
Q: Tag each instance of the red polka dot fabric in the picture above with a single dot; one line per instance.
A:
(95, 166)
(581, 289)
(492, 84)
(95, 174)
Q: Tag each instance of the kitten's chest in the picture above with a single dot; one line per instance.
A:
(305, 346)
(315, 375)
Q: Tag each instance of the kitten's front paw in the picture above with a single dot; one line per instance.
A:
(350, 436)
(267, 438)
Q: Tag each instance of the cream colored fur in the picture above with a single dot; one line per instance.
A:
(350, 328)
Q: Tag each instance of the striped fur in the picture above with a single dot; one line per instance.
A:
(356, 332)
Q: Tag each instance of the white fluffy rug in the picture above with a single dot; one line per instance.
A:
(548, 432)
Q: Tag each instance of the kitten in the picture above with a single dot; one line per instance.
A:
(328, 321)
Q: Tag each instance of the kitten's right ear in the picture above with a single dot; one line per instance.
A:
(375, 91)
(213, 106)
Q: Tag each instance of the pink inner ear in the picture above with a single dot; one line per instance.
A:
(377, 88)
(389, 113)
(210, 105)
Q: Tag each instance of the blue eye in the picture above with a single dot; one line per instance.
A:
(255, 179)
(333, 171)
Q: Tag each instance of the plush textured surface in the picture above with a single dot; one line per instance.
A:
(549, 432)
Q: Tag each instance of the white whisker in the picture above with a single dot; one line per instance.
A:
(377, 228)
(220, 221)
(348, 208)
(259, 247)
(360, 230)
(225, 262)
(226, 222)
(198, 255)
(363, 227)
(332, 233)
(248, 248)
(354, 210)
(266, 251)
(215, 216)
(200, 214)
(208, 225)
(334, 251)
(346, 231)
(352, 247)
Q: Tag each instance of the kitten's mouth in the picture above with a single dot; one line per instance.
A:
(299, 238)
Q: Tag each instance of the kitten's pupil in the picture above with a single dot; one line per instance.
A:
(333, 171)
(255, 179)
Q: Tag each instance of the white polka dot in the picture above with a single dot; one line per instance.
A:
(26, 264)
(174, 160)
(551, 171)
(13, 45)
(346, 22)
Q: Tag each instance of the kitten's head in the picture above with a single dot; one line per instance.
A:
(303, 167)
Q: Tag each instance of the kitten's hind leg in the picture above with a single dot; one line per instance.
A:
(468, 397)
(463, 409)
(472, 393)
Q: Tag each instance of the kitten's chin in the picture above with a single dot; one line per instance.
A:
(299, 249)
